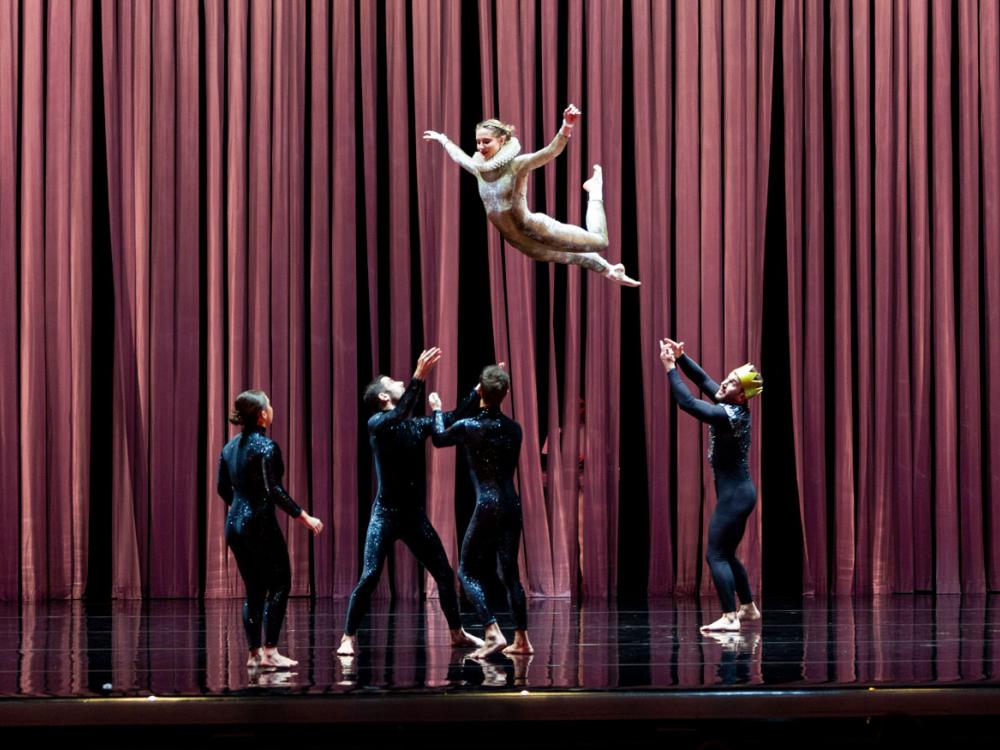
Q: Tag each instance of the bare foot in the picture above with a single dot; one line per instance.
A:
(617, 274)
(521, 645)
(253, 661)
(492, 643)
(728, 623)
(748, 612)
(348, 645)
(461, 638)
(595, 185)
(271, 658)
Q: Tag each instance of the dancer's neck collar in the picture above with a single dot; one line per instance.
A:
(500, 159)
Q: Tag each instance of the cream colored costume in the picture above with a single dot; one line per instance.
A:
(503, 186)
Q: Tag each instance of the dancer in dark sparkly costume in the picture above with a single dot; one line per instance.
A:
(249, 480)
(502, 172)
(492, 444)
(728, 418)
(397, 442)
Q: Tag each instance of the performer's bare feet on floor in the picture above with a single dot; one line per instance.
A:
(271, 658)
(493, 642)
(748, 612)
(728, 623)
(521, 645)
(348, 645)
(461, 638)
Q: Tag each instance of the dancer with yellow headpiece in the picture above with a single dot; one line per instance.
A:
(728, 418)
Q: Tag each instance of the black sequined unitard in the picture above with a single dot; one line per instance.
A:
(397, 442)
(728, 446)
(492, 444)
(249, 480)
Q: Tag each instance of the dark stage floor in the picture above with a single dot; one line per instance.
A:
(912, 661)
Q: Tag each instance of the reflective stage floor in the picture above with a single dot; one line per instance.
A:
(912, 663)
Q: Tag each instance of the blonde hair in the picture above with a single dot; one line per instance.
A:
(497, 127)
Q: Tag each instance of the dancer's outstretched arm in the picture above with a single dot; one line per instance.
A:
(692, 369)
(272, 469)
(404, 407)
(539, 158)
(442, 437)
(457, 155)
(466, 408)
(708, 413)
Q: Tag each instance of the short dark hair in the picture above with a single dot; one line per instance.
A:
(247, 408)
(372, 391)
(494, 382)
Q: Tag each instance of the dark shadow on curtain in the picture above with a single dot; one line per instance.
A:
(103, 348)
(781, 547)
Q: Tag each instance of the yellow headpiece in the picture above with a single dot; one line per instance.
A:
(750, 379)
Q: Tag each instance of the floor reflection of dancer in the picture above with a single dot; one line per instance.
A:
(728, 418)
(397, 442)
(492, 444)
(502, 172)
(249, 480)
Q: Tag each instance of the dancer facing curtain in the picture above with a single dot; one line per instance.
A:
(249, 480)
(492, 444)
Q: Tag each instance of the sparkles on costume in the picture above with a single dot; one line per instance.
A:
(249, 480)
(492, 444)
(728, 446)
(397, 441)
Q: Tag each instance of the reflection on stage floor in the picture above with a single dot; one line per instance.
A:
(196, 648)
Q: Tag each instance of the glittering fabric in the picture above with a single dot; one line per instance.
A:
(397, 442)
(249, 480)
(503, 188)
(729, 445)
(492, 444)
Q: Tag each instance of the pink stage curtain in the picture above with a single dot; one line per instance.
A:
(46, 170)
(276, 222)
(708, 288)
(151, 69)
(437, 49)
(893, 417)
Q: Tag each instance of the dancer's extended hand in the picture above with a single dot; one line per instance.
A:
(433, 135)
(425, 363)
(310, 522)
(434, 401)
(676, 347)
(667, 355)
(571, 114)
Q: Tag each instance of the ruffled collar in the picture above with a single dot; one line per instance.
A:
(500, 159)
